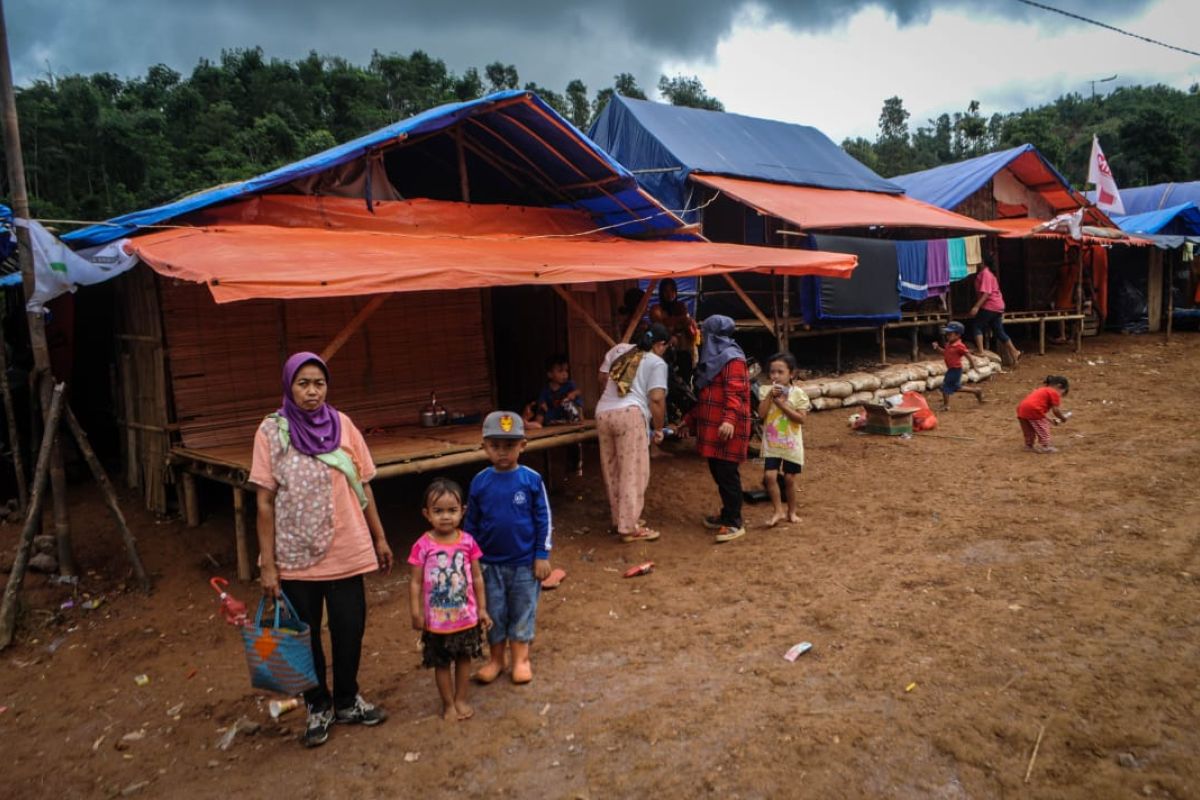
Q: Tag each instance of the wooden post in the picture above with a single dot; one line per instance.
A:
(14, 437)
(745, 298)
(1042, 335)
(837, 359)
(883, 344)
(129, 412)
(353, 325)
(1154, 286)
(245, 572)
(33, 519)
(573, 304)
(640, 311)
(110, 498)
(1170, 282)
(1079, 299)
(191, 503)
(464, 184)
(37, 324)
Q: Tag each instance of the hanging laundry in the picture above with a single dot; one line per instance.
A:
(937, 266)
(974, 252)
(957, 249)
(913, 279)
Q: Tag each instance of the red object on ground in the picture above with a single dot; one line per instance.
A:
(640, 569)
(232, 609)
(924, 418)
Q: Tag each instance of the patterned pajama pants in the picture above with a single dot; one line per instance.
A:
(625, 463)
(1036, 428)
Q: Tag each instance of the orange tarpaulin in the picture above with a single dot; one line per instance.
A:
(1020, 227)
(820, 209)
(242, 262)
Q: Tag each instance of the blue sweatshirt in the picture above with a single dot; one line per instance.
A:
(508, 513)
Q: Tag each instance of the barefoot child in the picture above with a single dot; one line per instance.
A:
(446, 597)
(953, 354)
(509, 512)
(1032, 411)
(782, 408)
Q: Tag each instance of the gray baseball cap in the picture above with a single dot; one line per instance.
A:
(503, 425)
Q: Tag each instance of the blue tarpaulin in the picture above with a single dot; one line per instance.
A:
(1160, 196)
(949, 185)
(663, 144)
(1180, 220)
(516, 127)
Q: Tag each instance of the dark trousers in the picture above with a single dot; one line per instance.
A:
(729, 484)
(346, 600)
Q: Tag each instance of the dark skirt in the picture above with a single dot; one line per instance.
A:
(443, 649)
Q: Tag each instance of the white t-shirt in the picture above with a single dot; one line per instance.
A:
(651, 374)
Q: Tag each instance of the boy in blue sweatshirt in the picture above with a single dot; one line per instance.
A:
(508, 513)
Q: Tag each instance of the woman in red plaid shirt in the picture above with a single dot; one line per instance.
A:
(721, 420)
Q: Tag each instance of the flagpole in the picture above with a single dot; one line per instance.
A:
(42, 376)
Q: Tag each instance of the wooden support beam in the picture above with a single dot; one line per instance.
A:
(573, 304)
(244, 568)
(464, 184)
(191, 503)
(33, 518)
(745, 298)
(642, 305)
(110, 498)
(1170, 283)
(882, 345)
(14, 437)
(1041, 337)
(129, 406)
(353, 325)
(1079, 299)
(916, 348)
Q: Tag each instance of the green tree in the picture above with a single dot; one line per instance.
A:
(501, 76)
(577, 100)
(687, 91)
(893, 153)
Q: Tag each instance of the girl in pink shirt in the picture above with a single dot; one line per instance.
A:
(446, 604)
(988, 312)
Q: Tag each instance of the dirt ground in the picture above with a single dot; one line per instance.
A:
(962, 596)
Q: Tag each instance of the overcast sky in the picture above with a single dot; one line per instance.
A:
(827, 63)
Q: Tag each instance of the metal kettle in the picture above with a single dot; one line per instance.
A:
(434, 414)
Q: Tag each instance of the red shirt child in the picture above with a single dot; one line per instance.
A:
(953, 353)
(1033, 411)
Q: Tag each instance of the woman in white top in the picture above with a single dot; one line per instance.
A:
(631, 414)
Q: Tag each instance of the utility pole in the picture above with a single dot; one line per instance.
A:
(37, 325)
(1100, 80)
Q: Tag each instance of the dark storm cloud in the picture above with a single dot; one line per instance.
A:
(550, 41)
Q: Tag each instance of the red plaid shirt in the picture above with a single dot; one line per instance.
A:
(726, 399)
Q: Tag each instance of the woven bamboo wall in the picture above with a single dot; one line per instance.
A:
(225, 360)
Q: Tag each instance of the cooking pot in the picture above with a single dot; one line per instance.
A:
(434, 414)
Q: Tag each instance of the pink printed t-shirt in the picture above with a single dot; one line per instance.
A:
(351, 551)
(447, 589)
(986, 283)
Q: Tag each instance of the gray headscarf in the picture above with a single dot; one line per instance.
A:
(717, 348)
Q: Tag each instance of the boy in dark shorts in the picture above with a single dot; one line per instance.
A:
(953, 354)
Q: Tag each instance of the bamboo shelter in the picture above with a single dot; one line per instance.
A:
(445, 254)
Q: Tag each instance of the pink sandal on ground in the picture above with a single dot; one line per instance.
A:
(554, 578)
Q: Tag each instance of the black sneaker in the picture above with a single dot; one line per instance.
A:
(713, 522)
(361, 713)
(316, 732)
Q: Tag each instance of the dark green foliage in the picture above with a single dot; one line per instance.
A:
(1150, 134)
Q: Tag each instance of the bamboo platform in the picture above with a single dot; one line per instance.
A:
(407, 450)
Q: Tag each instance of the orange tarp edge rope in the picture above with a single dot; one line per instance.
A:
(821, 209)
(242, 262)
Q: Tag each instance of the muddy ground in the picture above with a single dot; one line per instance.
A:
(962, 596)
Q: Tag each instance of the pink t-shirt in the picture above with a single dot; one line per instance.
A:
(986, 283)
(351, 551)
(448, 588)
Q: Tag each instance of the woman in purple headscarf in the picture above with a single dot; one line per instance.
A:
(319, 532)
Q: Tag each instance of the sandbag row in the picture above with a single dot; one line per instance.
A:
(856, 388)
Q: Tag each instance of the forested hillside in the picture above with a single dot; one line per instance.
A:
(1150, 134)
(99, 145)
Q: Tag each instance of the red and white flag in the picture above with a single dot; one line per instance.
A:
(1108, 199)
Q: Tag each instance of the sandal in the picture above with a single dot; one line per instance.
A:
(640, 535)
(554, 578)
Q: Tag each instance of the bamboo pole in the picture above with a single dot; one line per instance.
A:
(353, 325)
(573, 304)
(14, 437)
(640, 311)
(110, 497)
(37, 324)
(745, 298)
(33, 520)
(463, 180)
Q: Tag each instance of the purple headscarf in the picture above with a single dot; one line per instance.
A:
(312, 432)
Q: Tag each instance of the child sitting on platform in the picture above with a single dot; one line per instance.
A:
(560, 402)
